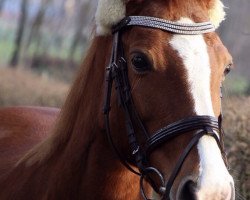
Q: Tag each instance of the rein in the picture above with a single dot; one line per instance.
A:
(117, 74)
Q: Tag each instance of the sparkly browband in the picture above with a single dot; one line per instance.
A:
(170, 26)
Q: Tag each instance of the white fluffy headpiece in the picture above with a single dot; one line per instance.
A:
(110, 12)
(217, 13)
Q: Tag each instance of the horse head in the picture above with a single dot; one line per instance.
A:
(167, 67)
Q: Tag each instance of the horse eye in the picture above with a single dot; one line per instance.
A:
(140, 62)
(228, 69)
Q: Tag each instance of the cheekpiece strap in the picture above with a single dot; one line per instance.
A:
(166, 25)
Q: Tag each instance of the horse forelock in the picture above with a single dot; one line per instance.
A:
(110, 12)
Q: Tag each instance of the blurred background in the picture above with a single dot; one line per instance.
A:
(42, 43)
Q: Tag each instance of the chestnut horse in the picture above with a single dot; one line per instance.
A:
(170, 81)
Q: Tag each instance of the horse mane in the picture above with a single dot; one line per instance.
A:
(61, 166)
(80, 113)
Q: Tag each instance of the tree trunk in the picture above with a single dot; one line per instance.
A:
(20, 32)
(38, 21)
(1, 5)
(81, 21)
(235, 32)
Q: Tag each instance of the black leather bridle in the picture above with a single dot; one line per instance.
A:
(117, 73)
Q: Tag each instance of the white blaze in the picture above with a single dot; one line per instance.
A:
(214, 176)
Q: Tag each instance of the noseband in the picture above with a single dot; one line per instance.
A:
(117, 73)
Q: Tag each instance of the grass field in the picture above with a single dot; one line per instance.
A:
(237, 130)
(18, 87)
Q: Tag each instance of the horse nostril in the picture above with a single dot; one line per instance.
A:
(187, 192)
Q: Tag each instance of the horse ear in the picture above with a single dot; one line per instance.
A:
(216, 12)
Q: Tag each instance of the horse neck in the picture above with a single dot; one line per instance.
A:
(77, 158)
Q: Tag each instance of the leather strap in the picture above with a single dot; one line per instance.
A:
(117, 73)
(177, 128)
(183, 157)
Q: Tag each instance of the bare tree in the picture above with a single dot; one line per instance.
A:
(20, 33)
(38, 22)
(1, 5)
(235, 32)
(81, 20)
